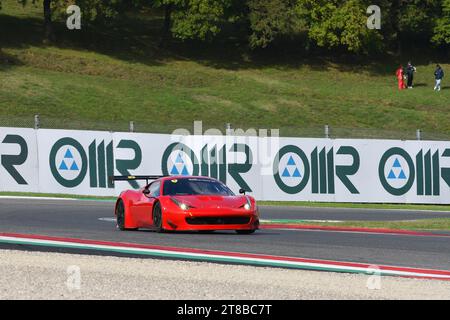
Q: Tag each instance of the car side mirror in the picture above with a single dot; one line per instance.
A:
(146, 191)
(242, 191)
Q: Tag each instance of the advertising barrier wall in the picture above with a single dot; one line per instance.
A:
(270, 168)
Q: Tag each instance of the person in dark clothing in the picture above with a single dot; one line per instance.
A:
(410, 70)
(438, 75)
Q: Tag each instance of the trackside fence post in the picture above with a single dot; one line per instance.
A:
(37, 122)
(327, 131)
(228, 128)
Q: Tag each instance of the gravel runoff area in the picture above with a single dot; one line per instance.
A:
(41, 275)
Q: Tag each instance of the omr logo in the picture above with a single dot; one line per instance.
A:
(291, 165)
(397, 167)
(287, 173)
(211, 161)
(397, 171)
(69, 161)
(291, 168)
(72, 162)
(179, 164)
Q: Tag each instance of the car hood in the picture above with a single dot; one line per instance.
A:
(204, 201)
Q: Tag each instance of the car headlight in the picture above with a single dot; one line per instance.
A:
(247, 205)
(183, 206)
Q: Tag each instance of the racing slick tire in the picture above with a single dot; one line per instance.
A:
(120, 216)
(158, 218)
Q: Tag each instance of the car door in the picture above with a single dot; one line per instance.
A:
(144, 207)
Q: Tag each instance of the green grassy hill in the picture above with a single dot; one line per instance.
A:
(104, 77)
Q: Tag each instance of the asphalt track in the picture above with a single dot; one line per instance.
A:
(81, 219)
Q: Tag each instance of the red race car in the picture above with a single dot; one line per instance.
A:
(185, 203)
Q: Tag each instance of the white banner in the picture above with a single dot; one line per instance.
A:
(19, 163)
(75, 162)
(292, 169)
(386, 171)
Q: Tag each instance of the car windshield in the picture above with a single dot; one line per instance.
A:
(193, 186)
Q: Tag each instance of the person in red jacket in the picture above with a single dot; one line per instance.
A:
(400, 78)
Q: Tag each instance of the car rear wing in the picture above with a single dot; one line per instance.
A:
(134, 178)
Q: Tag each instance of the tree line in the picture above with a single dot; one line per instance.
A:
(330, 24)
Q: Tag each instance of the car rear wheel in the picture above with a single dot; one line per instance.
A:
(246, 231)
(120, 216)
(158, 218)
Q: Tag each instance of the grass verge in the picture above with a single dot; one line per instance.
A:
(438, 224)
